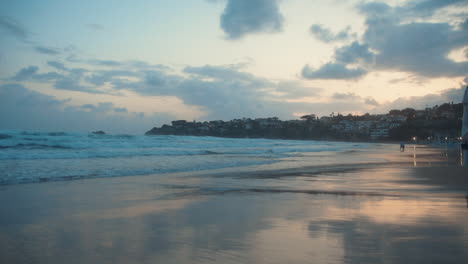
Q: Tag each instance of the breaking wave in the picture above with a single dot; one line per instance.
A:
(54, 156)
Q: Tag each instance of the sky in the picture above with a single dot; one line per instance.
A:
(126, 66)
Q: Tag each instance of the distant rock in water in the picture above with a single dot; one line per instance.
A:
(57, 134)
(4, 136)
(100, 132)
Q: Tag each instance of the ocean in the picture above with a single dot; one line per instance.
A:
(29, 157)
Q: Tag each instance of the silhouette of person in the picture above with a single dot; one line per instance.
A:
(402, 147)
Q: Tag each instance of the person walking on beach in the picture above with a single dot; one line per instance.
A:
(402, 147)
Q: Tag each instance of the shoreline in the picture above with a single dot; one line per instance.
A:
(426, 156)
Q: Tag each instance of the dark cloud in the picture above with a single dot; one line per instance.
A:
(14, 28)
(373, 8)
(401, 38)
(22, 108)
(101, 77)
(46, 77)
(332, 71)
(47, 50)
(72, 83)
(57, 65)
(31, 74)
(97, 79)
(142, 65)
(88, 107)
(26, 73)
(120, 110)
(426, 8)
(71, 80)
(241, 17)
(464, 25)
(326, 35)
(355, 52)
(345, 96)
(371, 101)
(107, 63)
(420, 48)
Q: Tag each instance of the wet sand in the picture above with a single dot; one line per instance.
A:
(407, 209)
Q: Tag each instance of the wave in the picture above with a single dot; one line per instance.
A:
(209, 152)
(53, 156)
(4, 136)
(56, 134)
(34, 146)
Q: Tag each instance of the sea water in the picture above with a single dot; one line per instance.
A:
(28, 157)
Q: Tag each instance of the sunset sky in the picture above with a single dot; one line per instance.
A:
(126, 66)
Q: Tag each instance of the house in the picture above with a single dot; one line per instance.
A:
(378, 133)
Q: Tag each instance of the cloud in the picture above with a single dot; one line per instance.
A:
(353, 53)
(31, 74)
(120, 110)
(219, 91)
(26, 73)
(426, 8)
(326, 35)
(88, 107)
(345, 96)
(94, 26)
(47, 51)
(295, 90)
(14, 28)
(332, 71)
(71, 80)
(421, 102)
(371, 101)
(373, 8)
(107, 63)
(401, 38)
(22, 108)
(57, 65)
(72, 83)
(352, 97)
(420, 48)
(242, 17)
(220, 72)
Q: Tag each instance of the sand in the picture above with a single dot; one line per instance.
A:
(405, 210)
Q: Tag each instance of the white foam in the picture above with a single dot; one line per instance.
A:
(35, 157)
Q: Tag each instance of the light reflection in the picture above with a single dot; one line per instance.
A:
(464, 157)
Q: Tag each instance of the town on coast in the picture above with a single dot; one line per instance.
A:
(438, 124)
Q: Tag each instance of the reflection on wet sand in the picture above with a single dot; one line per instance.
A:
(374, 214)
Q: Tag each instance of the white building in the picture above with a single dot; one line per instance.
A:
(464, 132)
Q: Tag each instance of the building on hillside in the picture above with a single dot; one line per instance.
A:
(379, 133)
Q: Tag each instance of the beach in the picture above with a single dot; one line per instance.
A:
(369, 204)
